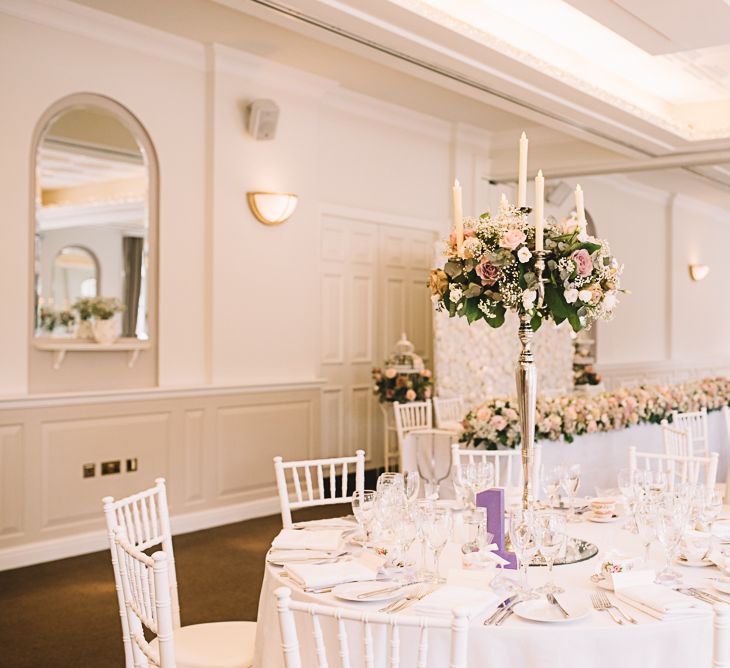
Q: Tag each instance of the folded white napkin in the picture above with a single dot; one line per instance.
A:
(328, 540)
(284, 556)
(661, 602)
(312, 576)
(442, 601)
(341, 523)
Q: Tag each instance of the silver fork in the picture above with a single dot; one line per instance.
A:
(607, 602)
(599, 605)
(391, 607)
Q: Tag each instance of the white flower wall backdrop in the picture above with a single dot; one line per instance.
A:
(477, 362)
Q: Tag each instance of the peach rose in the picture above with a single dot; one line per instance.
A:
(411, 395)
(510, 240)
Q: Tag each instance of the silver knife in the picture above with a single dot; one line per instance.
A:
(551, 599)
(509, 612)
(500, 609)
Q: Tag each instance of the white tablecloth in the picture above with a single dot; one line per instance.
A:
(593, 642)
(600, 456)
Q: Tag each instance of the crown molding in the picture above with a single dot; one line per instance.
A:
(100, 26)
(716, 212)
(267, 73)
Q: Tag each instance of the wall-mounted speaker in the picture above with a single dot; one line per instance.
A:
(263, 116)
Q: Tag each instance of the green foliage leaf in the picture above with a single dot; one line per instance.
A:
(472, 310)
(590, 246)
(452, 268)
(556, 304)
(474, 290)
(498, 319)
(536, 321)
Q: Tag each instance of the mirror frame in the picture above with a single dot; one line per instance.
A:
(92, 257)
(138, 131)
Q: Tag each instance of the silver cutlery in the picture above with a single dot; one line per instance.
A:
(500, 609)
(702, 595)
(386, 590)
(607, 602)
(400, 603)
(599, 605)
(510, 611)
(554, 601)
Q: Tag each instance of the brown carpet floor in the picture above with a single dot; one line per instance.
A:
(65, 613)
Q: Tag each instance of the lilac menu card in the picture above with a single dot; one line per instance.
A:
(493, 501)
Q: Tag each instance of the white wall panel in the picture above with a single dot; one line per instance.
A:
(361, 320)
(332, 421)
(194, 443)
(12, 475)
(333, 314)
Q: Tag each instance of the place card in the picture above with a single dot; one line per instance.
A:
(371, 560)
(632, 578)
(493, 501)
(473, 579)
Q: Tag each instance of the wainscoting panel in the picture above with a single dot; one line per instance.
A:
(66, 497)
(11, 479)
(214, 446)
(332, 421)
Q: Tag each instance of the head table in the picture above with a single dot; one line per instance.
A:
(594, 641)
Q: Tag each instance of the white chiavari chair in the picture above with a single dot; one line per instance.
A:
(695, 424)
(147, 603)
(367, 624)
(408, 417)
(313, 491)
(721, 637)
(676, 441)
(507, 466)
(448, 413)
(677, 468)
(143, 519)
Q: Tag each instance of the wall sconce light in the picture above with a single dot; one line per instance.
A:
(698, 271)
(272, 208)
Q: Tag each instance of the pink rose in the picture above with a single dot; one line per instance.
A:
(510, 414)
(411, 395)
(483, 414)
(487, 272)
(512, 239)
(390, 373)
(498, 422)
(467, 234)
(583, 262)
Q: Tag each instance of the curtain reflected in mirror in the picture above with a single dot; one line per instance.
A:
(92, 227)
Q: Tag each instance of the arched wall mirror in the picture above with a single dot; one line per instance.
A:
(92, 224)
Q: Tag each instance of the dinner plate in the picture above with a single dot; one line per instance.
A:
(721, 584)
(699, 563)
(539, 610)
(592, 517)
(350, 591)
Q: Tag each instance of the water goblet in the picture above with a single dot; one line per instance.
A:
(552, 479)
(550, 538)
(670, 526)
(413, 485)
(571, 483)
(422, 511)
(437, 530)
(522, 537)
(645, 518)
(363, 507)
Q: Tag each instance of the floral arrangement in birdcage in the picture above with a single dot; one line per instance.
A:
(404, 377)
(492, 270)
(496, 422)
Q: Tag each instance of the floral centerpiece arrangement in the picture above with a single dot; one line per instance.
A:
(493, 270)
(404, 378)
(403, 386)
(495, 423)
(96, 318)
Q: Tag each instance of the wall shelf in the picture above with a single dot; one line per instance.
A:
(60, 347)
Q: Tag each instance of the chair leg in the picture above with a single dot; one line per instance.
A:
(721, 637)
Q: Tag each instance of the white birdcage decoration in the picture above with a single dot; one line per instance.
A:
(403, 359)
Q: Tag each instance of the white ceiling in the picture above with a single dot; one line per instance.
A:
(61, 167)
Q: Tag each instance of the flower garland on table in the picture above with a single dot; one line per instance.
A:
(493, 270)
(402, 386)
(496, 422)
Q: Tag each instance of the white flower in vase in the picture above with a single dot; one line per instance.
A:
(571, 295)
(524, 255)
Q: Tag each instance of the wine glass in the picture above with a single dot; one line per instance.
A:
(406, 530)
(645, 519)
(627, 484)
(422, 512)
(437, 530)
(670, 526)
(552, 479)
(550, 537)
(479, 476)
(389, 481)
(571, 482)
(522, 537)
(711, 508)
(432, 468)
(363, 507)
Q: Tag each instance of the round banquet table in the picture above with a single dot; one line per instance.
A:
(594, 641)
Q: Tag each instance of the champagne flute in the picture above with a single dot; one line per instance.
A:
(550, 536)
(413, 485)
(670, 524)
(628, 484)
(645, 519)
(422, 512)
(552, 479)
(363, 507)
(571, 483)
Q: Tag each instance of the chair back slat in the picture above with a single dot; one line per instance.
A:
(393, 649)
(696, 425)
(144, 520)
(678, 468)
(321, 496)
(147, 603)
(446, 412)
(676, 440)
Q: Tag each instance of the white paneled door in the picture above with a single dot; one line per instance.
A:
(373, 287)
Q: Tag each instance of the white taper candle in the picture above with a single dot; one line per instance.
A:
(458, 216)
(539, 209)
(522, 173)
(580, 210)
